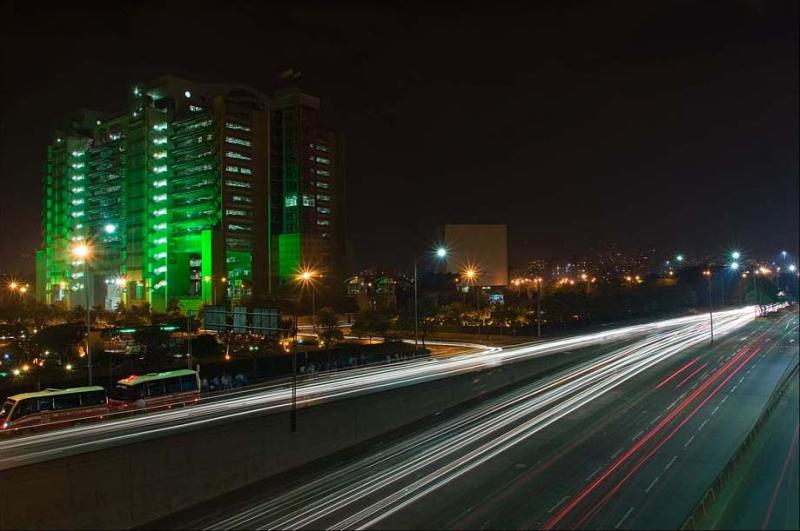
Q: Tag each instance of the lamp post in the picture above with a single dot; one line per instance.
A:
(83, 252)
(306, 278)
(441, 253)
(707, 274)
(470, 274)
(538, 306)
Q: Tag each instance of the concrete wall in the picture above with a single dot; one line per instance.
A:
(131, 485)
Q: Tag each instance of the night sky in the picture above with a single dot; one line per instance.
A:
(665, 124)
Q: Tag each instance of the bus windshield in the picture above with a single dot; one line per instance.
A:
(124, 392)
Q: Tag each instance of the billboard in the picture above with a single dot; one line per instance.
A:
(481, 247)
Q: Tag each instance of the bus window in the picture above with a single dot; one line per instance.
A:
(125, 393)
(25, 407)
(189, 383)
(155, 388)
(66, 401)
(172, 385)
(45, 403)
(93, 398)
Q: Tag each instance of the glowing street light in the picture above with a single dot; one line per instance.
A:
(305, 277)
(441, 252)
(84, 251)
(735, 265)
(110, 228)
(679, 258)
(707, 274)
(736, 255)
(792, 268)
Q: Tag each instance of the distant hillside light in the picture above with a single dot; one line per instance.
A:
(441, 252)
(187, 94)
(110, 228)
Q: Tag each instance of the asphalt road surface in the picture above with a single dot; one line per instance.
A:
(628, 440)
(266, 399)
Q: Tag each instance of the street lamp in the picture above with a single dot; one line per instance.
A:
(736, 255)
(538, 306)
(471, 275)
(441, 253)
(83, 252)
(306, 277)
(707, 274)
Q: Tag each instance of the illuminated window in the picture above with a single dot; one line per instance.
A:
(78, 214)
(323, 210)
(160, 140)
(237, 155)
(321, 147)
(160, 127)
(308, 200)
(290, 201)
(322, 160)
(159, 169)
(159, 198)
(160, 212)
(238, 169)
(160, 226)
(238, 141)
(324, 173)
(77, 165)
(77, 153)
(233, 227)
(323, 222)
(238, 184)
(241, 199)
(235, 212)
(236, 127)
(160, 154)
(159, 241)
(323, 184)
(77, 201)
(195, 108)
(159, 184)
(323, 197)
(77, 190)
(77, 177)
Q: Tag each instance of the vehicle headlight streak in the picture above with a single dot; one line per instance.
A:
(505, 417)
(332, 386)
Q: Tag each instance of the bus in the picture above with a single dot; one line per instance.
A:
(53, 408)
(155, 390)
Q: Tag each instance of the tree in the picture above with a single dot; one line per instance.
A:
(156, 344)
(371, 323)
(326, 325)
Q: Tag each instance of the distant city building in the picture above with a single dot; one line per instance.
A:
(375, 289)
(174, 197)
(483, 248)
(307, 194)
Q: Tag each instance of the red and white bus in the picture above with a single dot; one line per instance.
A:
(155, 390)
(53, 408)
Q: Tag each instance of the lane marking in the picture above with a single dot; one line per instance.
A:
(617, 453)
(724, 399)
(670, 462)
(594, 473)
(734, 388)
(715, 410)
(554, 507)
(637, 435)
(741, 379)
(624, 518)
(672, 405)
(653, 483)
(689, 441)
(703, 424)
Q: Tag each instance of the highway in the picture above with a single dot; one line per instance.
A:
(335, 386)
(630, 439)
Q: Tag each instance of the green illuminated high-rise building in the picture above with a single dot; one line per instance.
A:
(172, 195)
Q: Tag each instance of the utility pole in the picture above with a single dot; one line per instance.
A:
(294, 377)
(539, 308)
(707, 273)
